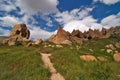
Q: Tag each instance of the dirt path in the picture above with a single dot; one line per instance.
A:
(54, 74)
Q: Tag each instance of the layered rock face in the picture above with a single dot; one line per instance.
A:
(79, 37)
(18, 33)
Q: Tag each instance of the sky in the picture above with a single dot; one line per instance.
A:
(43, 16)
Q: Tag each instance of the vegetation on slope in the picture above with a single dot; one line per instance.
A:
(24, 63)
(21, 63)
(67, 61)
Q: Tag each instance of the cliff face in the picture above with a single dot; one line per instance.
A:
(79, 37)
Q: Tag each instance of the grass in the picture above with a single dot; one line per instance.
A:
(68, 63)
(21, 63)
(24, 63)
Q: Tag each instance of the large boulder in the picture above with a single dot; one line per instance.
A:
(116, 57)
(61, 36)
(19, 33)
(88, 58)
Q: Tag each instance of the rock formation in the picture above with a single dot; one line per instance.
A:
(21, 30)
(77, 36)
(18, 33)
(60, 37)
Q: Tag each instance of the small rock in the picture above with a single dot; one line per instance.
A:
(59, 46)
(117, 45)
(91, 50)
(116, 51)
(110, 46)
(109, 51)
(102, 50)
(102, 58)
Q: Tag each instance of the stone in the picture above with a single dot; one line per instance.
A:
(116, 57)
(110, 46)
(88, 58)
(109, 51)
(102, 49)
(91, 50)
(59, 46)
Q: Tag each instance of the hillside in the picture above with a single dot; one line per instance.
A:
(25, 63)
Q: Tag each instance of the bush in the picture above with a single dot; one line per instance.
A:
(115, 36)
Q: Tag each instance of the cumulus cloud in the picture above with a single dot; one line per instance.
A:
(75, 14)
(108, 2)
(83, 25)
(111, 21)
(78, 19)
(9, 6)
(37, 6)
(77, 25)
(37, 33)
(4, 32)
(8, 21)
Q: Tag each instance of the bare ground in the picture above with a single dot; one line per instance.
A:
(48, 64)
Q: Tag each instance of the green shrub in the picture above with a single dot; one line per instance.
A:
(115, 36)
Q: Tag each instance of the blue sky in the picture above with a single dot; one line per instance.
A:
(43, 16)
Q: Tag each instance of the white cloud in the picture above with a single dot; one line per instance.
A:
(4, 32)
(96, 26)
(75, 24)
(108, 2)
(37, 33)
(8, 21)
(111, 21)
(7, 7)
(75, 14)
(83, 25)
(77, 19)
(36, 6)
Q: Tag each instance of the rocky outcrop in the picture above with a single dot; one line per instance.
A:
(21, 30)
(77, 36)
(19, 33)
(60, 37)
